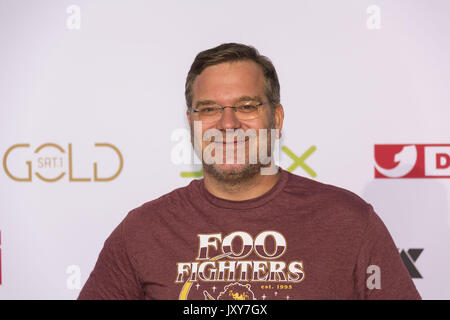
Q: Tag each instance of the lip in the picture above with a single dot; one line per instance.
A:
(234, 142)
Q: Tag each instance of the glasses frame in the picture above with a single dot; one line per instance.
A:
(235, 108)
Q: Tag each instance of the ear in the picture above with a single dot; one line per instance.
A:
(279, 117)
(188, 115)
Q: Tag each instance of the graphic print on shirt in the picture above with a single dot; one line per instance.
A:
(239, 267)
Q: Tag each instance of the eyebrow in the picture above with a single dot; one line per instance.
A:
(240, 99)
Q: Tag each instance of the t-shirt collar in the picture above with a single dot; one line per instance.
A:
(250, 203)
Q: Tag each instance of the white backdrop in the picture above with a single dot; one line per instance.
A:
(73, 74)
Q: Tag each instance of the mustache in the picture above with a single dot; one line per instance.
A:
(233, 135)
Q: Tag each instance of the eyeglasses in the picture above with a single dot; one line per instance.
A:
(243, 111)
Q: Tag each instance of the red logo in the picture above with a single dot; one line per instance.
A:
(412, 160)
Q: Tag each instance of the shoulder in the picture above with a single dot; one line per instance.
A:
(167, 205)
(323, 193)
(332, 202)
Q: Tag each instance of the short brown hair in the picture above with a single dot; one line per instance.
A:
(229, 52)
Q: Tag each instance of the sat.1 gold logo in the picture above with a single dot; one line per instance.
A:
(50, 162)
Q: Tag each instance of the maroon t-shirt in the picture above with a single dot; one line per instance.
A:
(301, 240)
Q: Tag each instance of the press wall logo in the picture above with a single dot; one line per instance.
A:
(412, 160)
(409, 258)
(50, 162)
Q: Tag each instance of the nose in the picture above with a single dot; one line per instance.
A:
(228, 120)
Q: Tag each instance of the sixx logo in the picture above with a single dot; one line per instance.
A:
(412, 160)
(50, 162)
(409, 258)
(298, 161)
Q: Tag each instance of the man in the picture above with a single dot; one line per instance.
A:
(245, 231)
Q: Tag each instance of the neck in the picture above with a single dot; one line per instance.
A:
(252, 187)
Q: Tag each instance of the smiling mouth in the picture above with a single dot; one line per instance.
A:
(224, 142)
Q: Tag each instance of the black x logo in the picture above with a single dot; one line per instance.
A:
(409, 259)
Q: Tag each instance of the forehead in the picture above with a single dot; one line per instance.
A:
(227, 81)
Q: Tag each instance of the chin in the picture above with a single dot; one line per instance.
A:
(232, 173)
(230, 167)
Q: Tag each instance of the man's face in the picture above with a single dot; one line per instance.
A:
(226, 84)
